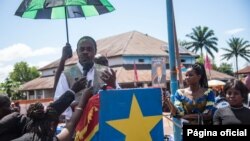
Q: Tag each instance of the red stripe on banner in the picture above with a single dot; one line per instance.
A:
(89, 119)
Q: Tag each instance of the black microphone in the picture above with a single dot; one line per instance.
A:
(85, 72)
(86, 68)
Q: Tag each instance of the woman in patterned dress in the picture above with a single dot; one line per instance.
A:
(195, 103)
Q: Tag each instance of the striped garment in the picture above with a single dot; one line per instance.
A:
(188, 106)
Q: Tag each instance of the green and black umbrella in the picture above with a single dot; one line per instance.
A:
(63, 9)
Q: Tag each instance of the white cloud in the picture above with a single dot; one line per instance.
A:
(44, 51)
(234, 31)
(4, 72)
(21, 52)
(41, 63)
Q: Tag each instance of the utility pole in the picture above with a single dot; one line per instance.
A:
(172, 64)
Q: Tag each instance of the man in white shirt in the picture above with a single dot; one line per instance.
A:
(97, 74)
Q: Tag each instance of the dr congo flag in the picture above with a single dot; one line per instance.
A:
(123, 115)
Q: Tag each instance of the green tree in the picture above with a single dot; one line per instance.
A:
(23, 73)
(10, 87)
(200, 60)
(238, 47)
(214, 66)
(202, 39)
(183, 43)
(226, 68)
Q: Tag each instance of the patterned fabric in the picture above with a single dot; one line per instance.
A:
(188, 106)
(88, 125)
(55, 9)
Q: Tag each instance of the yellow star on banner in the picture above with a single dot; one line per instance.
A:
(136, 127)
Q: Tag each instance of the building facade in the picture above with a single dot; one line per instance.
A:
(123, 51)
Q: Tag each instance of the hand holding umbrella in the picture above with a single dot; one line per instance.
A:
(67, 52)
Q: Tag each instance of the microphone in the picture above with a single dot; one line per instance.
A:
(85, 71)
(86, 68)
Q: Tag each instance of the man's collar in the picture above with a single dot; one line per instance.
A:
(81, 68)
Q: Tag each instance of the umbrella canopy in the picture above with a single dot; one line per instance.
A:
(63, 9)
(55, 9)
(213, 83)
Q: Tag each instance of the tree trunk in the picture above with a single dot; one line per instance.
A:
(237, 66)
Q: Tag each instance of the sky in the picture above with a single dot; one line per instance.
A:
(39, 42)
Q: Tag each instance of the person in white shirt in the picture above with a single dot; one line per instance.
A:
(98, 75)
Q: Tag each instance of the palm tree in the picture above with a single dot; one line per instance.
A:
(203, 38)
(183, 43)
(238, 47)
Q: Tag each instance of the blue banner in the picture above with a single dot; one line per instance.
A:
(131, 115)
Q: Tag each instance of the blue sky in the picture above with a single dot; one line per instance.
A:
(39, 42)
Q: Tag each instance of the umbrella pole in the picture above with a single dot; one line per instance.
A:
(66, 21)
(69, 50)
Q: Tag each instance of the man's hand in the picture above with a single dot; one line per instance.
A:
(79, 85)
(109, 77)
(88, 92)
(86, 95)
(67, 52)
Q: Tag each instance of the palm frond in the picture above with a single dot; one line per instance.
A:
(203, 39)
(237, 47)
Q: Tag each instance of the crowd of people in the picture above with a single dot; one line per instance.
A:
(74, 86)
(40, 124)
(197, 104)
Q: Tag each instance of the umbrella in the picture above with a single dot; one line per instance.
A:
(63, 9)
(213, 83)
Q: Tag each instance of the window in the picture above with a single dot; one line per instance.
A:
(141, 60)
(31, 96)
(39, 94)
